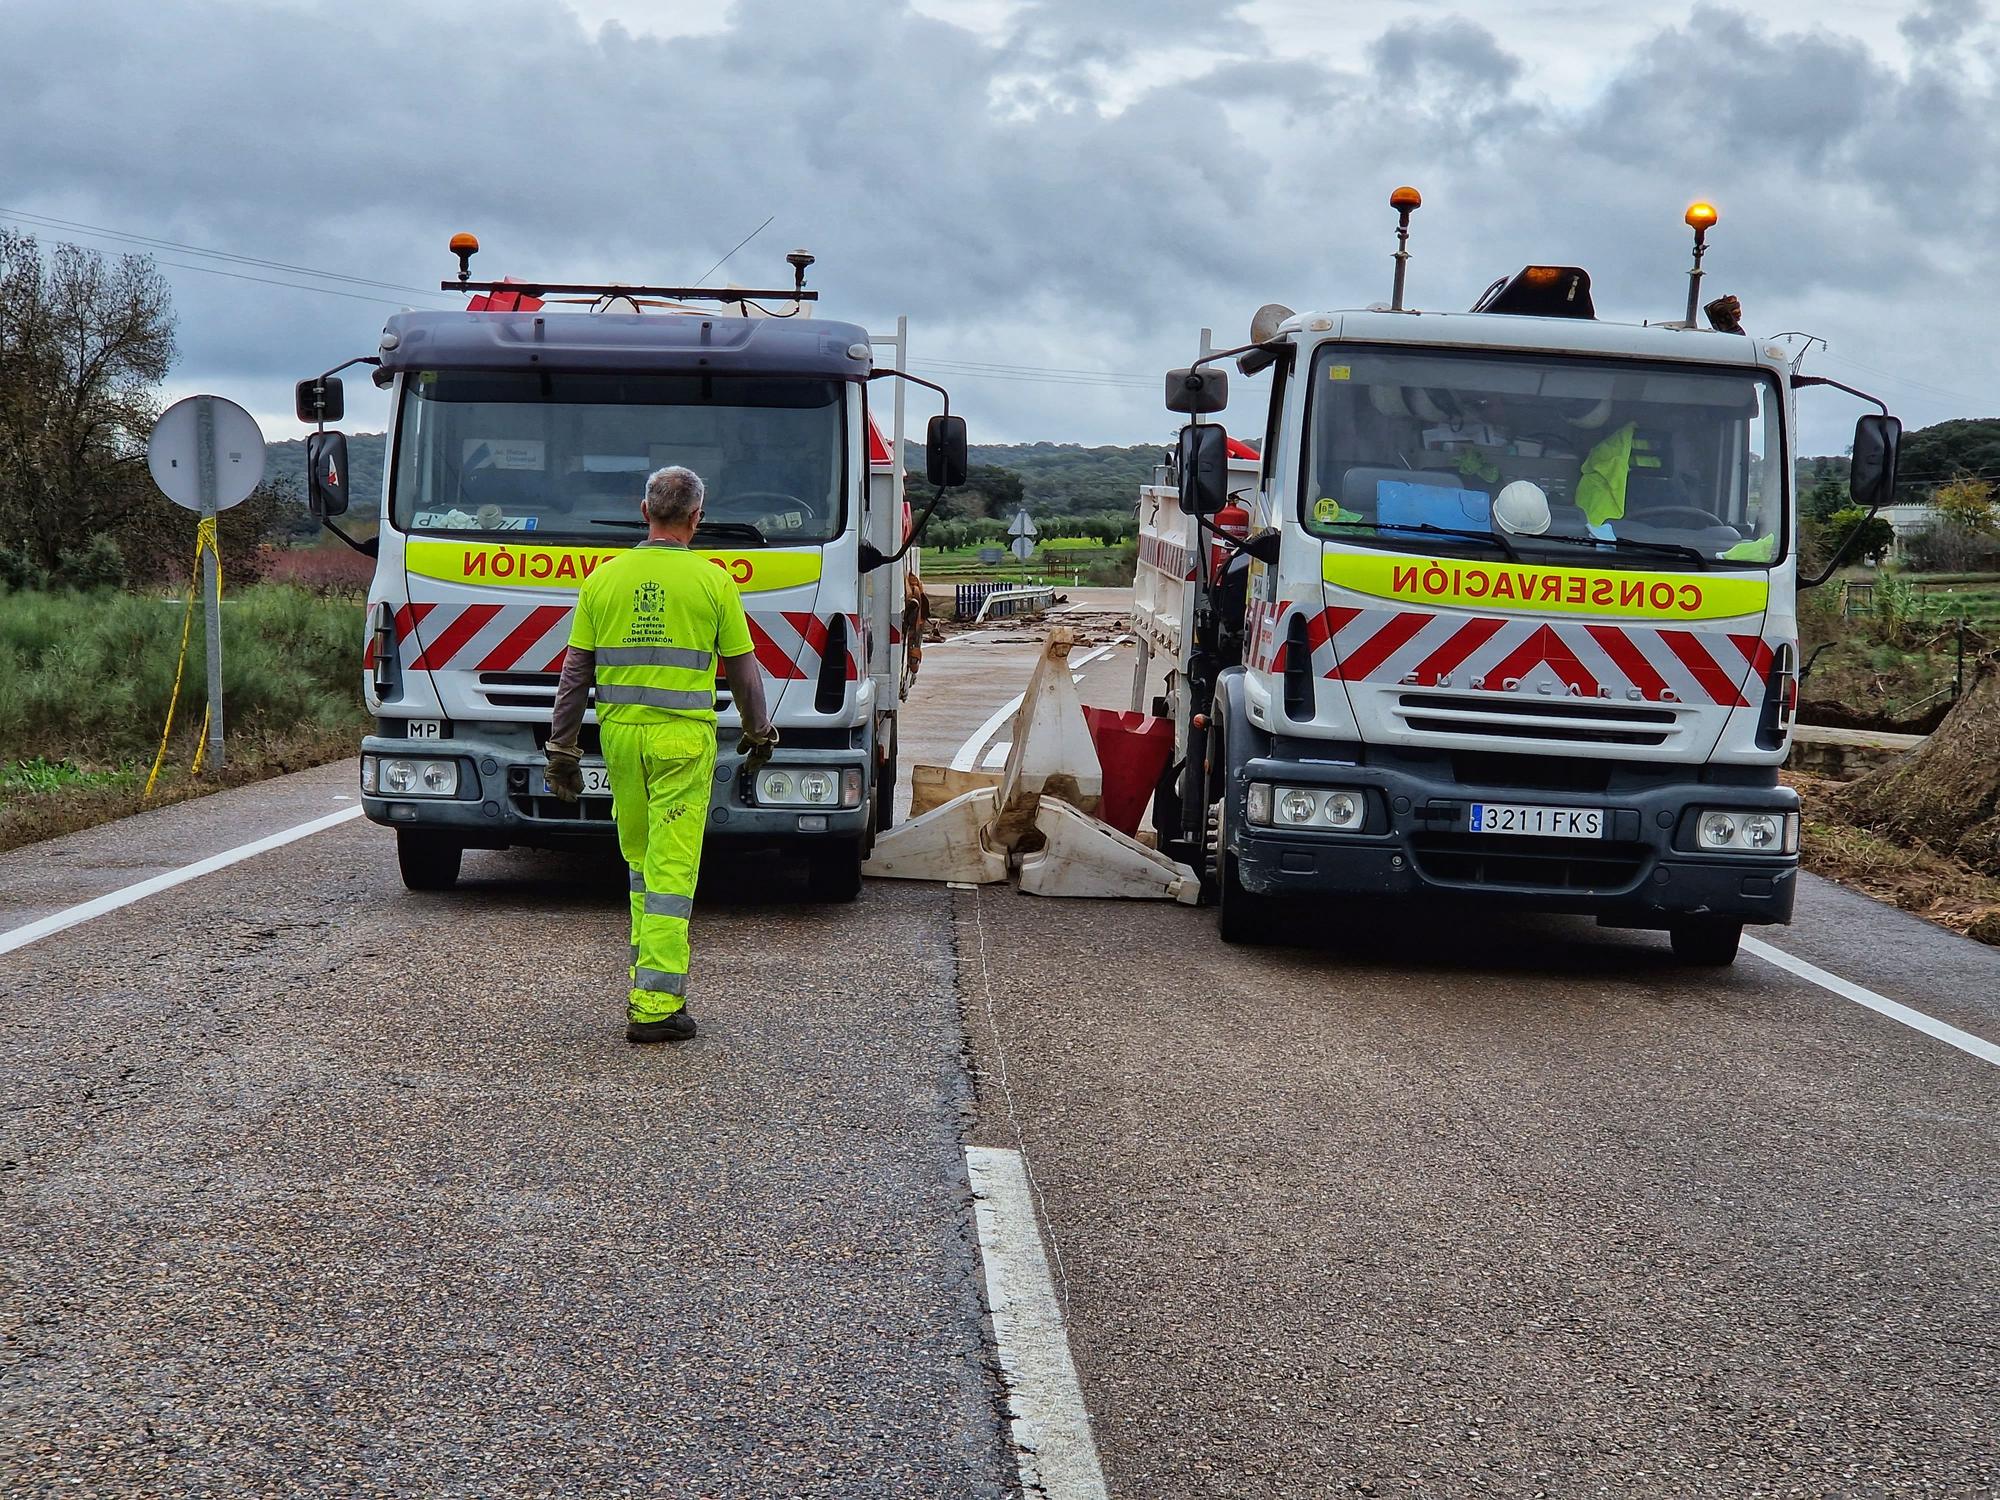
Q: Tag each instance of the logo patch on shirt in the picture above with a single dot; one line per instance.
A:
(648, 598)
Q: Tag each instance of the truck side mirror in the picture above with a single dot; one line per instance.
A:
(326, 474)
(1871, 478)
(320, 400)
(944, 452)
(1204, 469)
(1197, 393)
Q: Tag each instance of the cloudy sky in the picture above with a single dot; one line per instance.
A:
(1059, 193)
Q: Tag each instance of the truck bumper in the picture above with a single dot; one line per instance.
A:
(498, 803)
(1644, 872)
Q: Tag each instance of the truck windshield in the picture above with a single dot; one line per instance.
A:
(1614, 460)
(568, 454)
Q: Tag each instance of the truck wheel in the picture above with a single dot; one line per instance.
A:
(1709, 942)
(833, 870)
(429, 861)
(1244, 919)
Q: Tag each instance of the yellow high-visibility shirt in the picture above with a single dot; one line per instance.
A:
(657, 617)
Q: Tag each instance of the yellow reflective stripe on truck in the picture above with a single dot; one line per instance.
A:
(518, 565)
(1603, 592)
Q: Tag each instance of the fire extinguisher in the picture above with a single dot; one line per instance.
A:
(1233, 521)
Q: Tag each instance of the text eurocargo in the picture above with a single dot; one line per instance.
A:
(515, 566)
(1574, 591)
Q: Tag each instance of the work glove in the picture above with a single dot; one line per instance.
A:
(565, 771)
(756, 748)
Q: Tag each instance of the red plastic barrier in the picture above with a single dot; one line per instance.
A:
(1132, 751)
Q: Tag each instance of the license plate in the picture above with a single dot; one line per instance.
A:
(1539, 822)
(596, 782)
(425, 729)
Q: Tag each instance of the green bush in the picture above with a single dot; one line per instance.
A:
(88, 673)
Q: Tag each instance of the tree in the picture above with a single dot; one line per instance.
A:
(1967, 504)
(1876, 536)
(1828, 494)
(83, 341)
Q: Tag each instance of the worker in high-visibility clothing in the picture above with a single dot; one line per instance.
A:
(649, 626)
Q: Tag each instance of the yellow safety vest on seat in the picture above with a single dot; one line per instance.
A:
(657, 617)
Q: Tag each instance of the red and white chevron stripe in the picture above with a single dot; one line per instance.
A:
(533, 637)
(1567, 658)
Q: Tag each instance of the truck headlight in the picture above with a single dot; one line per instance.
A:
(809, 786)
(403, 776)
(1304, 807)
(1726, 830)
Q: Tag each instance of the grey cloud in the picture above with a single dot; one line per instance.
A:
(1466, 54)
(987, 189)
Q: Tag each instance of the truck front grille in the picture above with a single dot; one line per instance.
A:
(1528, 864)
(1570, 721)
(537, 690)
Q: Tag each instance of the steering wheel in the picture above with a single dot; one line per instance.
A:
(1704, 519)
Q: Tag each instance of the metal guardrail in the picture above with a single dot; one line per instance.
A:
(978, 601)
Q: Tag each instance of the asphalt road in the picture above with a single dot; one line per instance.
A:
(311, 1186)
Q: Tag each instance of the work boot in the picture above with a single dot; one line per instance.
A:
(678, 1027)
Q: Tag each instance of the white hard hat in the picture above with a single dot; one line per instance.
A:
(1522, 507)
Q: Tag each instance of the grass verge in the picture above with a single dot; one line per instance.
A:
(1934, 886)
(50, 801)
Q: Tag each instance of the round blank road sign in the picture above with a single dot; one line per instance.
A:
(173, 452)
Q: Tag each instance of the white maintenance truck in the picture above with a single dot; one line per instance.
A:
(521, 434)
(1504, 608)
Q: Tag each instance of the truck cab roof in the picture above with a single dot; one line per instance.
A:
(651, 343)
(1545, 335)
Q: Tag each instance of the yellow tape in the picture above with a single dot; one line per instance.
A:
(204, 541)
(1547, 591)
(519, 566)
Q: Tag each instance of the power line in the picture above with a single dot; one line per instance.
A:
(34, 220)
(297, 286)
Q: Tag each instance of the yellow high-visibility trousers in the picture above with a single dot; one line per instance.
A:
(659, 799)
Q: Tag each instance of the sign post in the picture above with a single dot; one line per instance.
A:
(1023, 531)
(206, 455)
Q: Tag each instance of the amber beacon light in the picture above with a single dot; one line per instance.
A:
(1700, 217)
(464, 246)
(1406, 201)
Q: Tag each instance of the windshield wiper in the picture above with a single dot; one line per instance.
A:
(741, 529)
(1424, 526)
(1672, 549)
(615, 521)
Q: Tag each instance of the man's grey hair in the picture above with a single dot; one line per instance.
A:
(673, 494)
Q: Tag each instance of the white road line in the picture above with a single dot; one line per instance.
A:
(968, 753)
(34, 932)
(1052, 1441)
(1951, 1036)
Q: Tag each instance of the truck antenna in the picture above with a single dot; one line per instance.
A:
(1406, 201)
(1700, 217)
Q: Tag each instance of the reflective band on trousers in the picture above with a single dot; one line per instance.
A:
(619, 692)
(658, 905)
(659, 981)
(655, 656)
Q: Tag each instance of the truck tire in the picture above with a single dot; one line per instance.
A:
(429, 861)
(1707, 942)
(833, 870)
(1245, 920)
